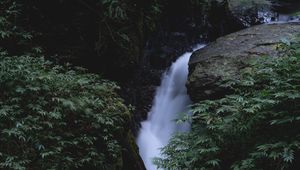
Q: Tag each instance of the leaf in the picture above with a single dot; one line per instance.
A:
(288, 155)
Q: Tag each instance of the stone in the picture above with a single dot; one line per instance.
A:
(228, 55)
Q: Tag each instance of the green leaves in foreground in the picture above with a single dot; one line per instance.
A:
(52, 117)
(257, 127)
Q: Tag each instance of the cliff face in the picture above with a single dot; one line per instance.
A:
(229, 54)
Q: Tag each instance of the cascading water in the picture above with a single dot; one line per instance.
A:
(171, 98)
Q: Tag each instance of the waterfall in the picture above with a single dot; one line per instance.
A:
(171, 98)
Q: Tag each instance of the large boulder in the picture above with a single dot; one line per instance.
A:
(225, 57)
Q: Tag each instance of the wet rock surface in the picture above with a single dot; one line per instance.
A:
(229, 54)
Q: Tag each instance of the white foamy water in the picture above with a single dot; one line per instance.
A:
(171, 98)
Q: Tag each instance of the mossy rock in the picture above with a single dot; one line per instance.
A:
(228, 55)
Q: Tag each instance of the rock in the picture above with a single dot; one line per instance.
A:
(130, 155)
(229, 54)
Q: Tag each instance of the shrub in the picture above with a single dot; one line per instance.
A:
(53, 117)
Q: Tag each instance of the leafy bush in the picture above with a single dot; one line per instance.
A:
(52, 117)
(13, 38)
(257, 127)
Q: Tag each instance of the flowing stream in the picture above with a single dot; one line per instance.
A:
(171, 98)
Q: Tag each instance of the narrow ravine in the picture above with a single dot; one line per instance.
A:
(171, 99)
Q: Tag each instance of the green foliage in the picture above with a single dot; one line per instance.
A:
(257, 127)
(93, 27)
(53, 117)
(7, 14)
(114, 9)
(123, 26)
(97, 27)
(119, 16)
(14, 39)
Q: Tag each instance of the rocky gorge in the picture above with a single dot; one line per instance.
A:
(228, 55)
(85, 83)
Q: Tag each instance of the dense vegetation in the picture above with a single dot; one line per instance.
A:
(256, 127)
(109, 36)
(56, 118)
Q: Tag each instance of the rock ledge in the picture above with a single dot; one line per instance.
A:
(229, 54)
